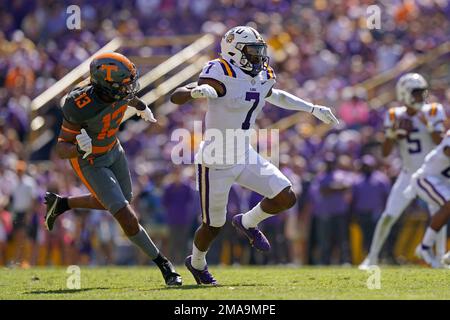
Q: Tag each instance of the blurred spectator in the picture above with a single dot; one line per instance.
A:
(333, 223)
(322, 51)
(178, 198)
(23, 198)
(5, 229)
(230, 246)
(367, 209)
(354, 111)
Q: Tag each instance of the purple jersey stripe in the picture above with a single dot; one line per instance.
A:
(223, 68)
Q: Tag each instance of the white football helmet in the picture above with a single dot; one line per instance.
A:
(244, 47)
(409, 83)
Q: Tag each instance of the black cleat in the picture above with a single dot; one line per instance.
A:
(54, 209)
(171, 277)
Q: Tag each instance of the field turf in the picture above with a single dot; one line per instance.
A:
(236, 283)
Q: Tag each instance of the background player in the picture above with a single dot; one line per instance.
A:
(92, 116)
(432, 183)
(237, 86)
(415, 128)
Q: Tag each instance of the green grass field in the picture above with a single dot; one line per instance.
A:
(236, 283)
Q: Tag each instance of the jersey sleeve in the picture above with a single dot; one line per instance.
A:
(70, 112)
(270, 74)
(389, 118)
(76, 104)
(436, 117)
(215, 70)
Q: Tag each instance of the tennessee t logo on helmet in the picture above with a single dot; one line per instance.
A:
(114, 75)
(108, 69)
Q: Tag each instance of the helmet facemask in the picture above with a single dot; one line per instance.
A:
(254, 57)
(417, 97)
(121, 91)
(127, 89)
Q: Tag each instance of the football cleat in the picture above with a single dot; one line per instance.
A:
(200, 276)
(171, 277)
(367, 263)
(446, 259)
(54, 209)
(257, 239)
(428, 256)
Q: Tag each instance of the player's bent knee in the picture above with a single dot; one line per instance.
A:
(291, 199)
(212, 229)
(286, 198)
(127, 220)
(116, 206)
(129, 197)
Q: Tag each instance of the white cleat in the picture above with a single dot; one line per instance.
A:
(367, 263)
(446, 260)
(428, 256)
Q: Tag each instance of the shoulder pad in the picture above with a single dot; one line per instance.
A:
(75, 101)
(270, 74)
(432, 109)
(218, 68)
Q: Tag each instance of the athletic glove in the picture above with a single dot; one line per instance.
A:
(204, 91)
(146, 114)
(84, 143)
(324, 114)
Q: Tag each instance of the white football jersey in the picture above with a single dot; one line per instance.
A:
(237, 110)
(418, 143)
(437, 163)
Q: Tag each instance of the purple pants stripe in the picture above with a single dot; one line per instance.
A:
(199, 168)
(440, 196)
(427, 191)
(207, 195)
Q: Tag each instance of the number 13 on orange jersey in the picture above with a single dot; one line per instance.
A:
(107, 131)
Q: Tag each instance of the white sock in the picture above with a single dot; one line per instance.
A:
(198, 258)
(429, 238)
(441, 242)
(251, 218)
(382, 230)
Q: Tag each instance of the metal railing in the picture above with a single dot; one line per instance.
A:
(39, 135)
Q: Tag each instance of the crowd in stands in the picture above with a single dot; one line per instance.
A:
(320, 51)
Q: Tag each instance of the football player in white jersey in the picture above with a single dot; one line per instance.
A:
(415, 128)
(432, 183)
(237, 85)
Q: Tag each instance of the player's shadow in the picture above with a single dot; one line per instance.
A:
(187, 287)
(64, 291)
(195, 286)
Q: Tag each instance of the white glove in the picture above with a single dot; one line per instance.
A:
(84, 143)
(324, 114)
(204, 91)
(146, 114)
(390, 133)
